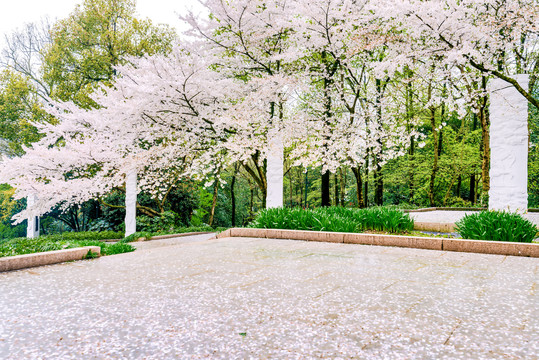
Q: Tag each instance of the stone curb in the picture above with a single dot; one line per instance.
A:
(170, 236)
(432, 226)
(444, 209)
(18, 262)
(417, 242)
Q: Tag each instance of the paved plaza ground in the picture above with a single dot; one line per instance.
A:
(280, 299)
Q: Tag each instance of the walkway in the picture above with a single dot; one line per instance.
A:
(279, 299)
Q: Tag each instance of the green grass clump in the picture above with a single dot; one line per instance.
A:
(21, 246)
(118, 248)
(498, 226)
(204, 228)
(84, 235)
(336, 219)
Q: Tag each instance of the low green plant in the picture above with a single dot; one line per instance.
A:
(166, 221)
(118, 248)
(90, 255)
(84, 235)
(498, 226)
(135, 236)
(21, 246)
(337, 219)
(182, 230)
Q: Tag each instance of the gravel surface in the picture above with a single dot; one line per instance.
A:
(279, 299)
(448, 216)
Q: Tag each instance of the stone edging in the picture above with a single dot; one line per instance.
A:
(432, 226)
(530, 210)
(444, 209)
(170, 236)
(18, 262)
(431, 243)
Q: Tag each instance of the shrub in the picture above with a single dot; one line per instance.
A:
(20, 246)
(496, 225)
(118, 248)
(83, 235)
(167, 221)
(456, 201)
(337, 219)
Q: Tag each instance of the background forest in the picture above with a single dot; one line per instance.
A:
(444, 161)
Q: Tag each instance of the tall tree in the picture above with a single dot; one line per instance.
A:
(20, 108)
(96, 37)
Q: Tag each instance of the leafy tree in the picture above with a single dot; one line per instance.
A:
(19, 108)
(97, 36)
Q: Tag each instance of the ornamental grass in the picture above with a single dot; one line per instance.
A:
(335, 219)
(497, 226)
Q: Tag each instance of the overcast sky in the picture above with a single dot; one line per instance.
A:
(15, 13)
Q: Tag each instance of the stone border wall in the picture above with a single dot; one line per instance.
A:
(433, 226)
(170, 236)
(417, 242)
(18, 262)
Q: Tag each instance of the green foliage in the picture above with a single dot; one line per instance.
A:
(20, 246)
(457, 202)
(205, 199)
(204, 228)
(533, 157)
(167, 221)
(118, 248)
(9, 232)
(407, 178)
(83, 235)
(136, 236)
(337, 219)
(98, 35)
(498, 226)
(19, 107)
(90, 255)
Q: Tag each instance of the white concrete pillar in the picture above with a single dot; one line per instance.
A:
(508, 146)
(274, 173)
(32, 228)
(130, 203)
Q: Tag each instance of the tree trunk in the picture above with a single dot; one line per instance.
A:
(337, 188)
(411, 172)
(291, 188)
(258, 175)
(342, 177)
(327, 82)
(378, 175)
(434, 169)
(325, 189)
(459, 185)
(300, 187)
(233, 198)
(411, 150)
(214, 202)
(379, 184)
(306, 205)
(448, 192)
(251, 200)
(472, 196)
(485, 140)
(472, 189)
(366, 191)
(359, 185)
